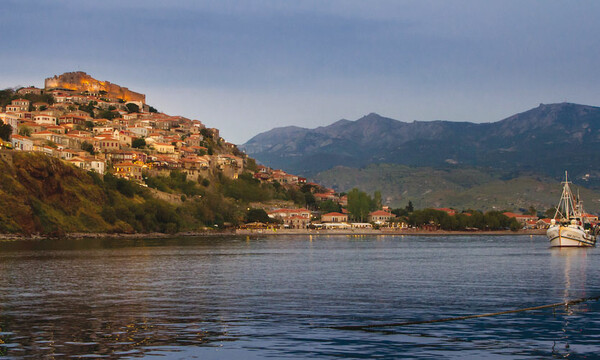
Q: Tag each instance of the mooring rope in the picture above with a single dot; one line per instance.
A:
(406, 323)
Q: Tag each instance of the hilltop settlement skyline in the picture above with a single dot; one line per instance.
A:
(109, 130)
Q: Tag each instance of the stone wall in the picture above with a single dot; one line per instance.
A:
(80, 81)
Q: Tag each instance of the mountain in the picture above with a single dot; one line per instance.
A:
(547, 140)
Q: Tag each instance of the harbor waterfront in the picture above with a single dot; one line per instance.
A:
(290, 296)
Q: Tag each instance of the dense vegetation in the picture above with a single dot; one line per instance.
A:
(39, 194)
(459, 187)
(5, 131)
(473, 220)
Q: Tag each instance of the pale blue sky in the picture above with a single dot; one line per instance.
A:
(248, 66)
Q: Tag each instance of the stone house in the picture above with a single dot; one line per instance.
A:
(522, 219)
(128, 170)
(296, 222)
(23, 104)
(164, 148)
(106, 143)
(282, 214)
(380, 217)
(45, 119)
(29, 90)
(334, 217)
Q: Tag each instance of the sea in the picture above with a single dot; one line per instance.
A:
(299, 297)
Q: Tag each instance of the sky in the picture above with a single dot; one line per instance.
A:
(248, 66)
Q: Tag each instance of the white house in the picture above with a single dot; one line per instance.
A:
(22, 143)
(44, 119)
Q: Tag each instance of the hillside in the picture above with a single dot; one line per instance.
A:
(45, 195)
(460, 188)
(546, 140)
(40, 194)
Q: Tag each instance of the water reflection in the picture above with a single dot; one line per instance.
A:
(97, 299)
(257, 297)
(573, 262)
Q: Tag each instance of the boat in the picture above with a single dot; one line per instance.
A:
(567, 228)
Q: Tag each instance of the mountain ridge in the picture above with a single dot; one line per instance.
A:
(547, 139)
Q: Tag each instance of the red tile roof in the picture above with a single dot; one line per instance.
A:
(334, 214)
(381, 213)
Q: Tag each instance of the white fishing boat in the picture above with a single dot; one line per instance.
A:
(567, 228)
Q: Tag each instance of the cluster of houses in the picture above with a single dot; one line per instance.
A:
(66, 129)
(266, 174)
(304, 219)
(112, 144)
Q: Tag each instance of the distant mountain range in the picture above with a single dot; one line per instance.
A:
(545, 140)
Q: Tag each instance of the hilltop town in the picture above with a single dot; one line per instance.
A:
(101, 130)
(110, 130)
(107, 129)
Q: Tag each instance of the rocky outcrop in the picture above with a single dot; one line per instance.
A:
(80, 81)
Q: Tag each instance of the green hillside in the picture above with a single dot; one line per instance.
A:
(459, 188)
(41, 194)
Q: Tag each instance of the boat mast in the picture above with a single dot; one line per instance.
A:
(566, 202)
(567, 192)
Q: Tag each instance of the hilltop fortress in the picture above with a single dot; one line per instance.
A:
(80, 81)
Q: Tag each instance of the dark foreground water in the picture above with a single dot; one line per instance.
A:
(250, 298)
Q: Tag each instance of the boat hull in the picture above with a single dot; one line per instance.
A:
(566, 236)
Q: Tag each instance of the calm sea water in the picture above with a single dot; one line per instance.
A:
(278, 297)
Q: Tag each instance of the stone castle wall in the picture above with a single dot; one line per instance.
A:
(80, 81)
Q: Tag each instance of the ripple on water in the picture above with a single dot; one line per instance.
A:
(275, 297)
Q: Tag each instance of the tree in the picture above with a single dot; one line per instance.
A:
(410, 208)
(5, 131)
(257, 215)
(107, 114)
(132, 108)
(377, 200)
(6, 96)
(25, 131)
(205, 133)
(328, 206)
(51, 143)
(532, 210)
(86, 146)
(310, 200)
(400, 212)
(251, 164)
(359, 204)
(89, 108)
(138, 143)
